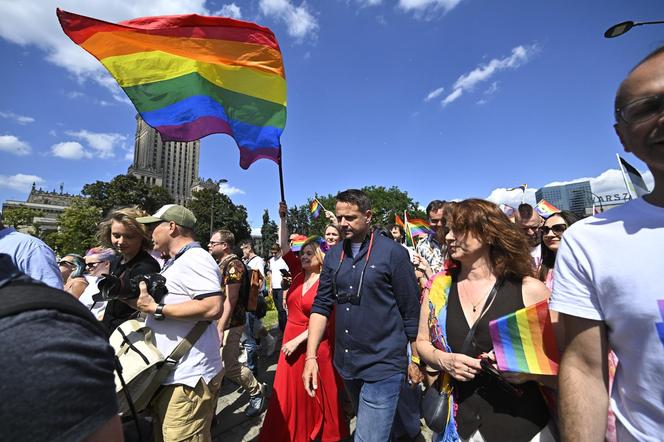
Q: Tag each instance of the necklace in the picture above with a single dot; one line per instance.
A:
(475, 305)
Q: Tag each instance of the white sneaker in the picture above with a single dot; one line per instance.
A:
(268, 344)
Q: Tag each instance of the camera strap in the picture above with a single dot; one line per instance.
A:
(191, 245)
(341, 260)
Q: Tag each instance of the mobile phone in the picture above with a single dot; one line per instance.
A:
(285, 273)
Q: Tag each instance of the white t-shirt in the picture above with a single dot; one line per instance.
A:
(96, 308)
(610, 268)
(275, 268)
(536, 257)
(193, 275)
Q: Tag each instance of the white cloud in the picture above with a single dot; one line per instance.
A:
(33, 23)
(229, 190)
(300, 22)
(103, 144)
(492, 89)
(364, 3)
(423, 8)
(433, 94)
(609, 182)
(453, 96)
(20, 119)
(467, 82)
(11, 144)
(230, 10)
(20, 182)
(70, 150)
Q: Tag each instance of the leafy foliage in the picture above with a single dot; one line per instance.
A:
(225, 214)
(77, 229)
(386, 203)
(269, 233)
(20, 216)
(123, 191)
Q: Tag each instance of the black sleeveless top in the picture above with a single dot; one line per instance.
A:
(481, 403)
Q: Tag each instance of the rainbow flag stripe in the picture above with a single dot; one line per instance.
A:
(297, 243)
(418, 227)
(546, 209)
(524, 342)
(315, 208)
(190, 76)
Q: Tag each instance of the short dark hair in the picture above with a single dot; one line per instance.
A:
(434, 206)
(356, 197)
(525, 211)
(226, 236)
(247, 242)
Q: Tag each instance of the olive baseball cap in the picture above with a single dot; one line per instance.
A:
(180, 215)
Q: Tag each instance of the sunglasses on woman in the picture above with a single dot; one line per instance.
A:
(557, 229)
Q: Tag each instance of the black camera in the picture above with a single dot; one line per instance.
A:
(348, 298)
(114, 287)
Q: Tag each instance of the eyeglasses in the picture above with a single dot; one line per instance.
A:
(641, 110)
(557, 229)
(91, 265)
(214, 243)
(66, 263)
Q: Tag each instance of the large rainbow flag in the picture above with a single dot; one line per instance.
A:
(190, 76)
(524, 342)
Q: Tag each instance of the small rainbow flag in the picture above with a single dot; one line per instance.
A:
(419, 226)
(298, 242)
(190, 76)
(545, 208)
(524, 342)
(399, 222)
(315, 208)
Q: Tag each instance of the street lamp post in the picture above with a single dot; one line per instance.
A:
(217, 183)
(619, 29)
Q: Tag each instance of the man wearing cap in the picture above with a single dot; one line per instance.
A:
(184, 407)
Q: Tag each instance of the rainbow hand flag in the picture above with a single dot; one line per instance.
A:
(190, 76)
(297, 243)
(418, 227)
(315, 208)
(399, 222)
(524, 342)
(546, 209)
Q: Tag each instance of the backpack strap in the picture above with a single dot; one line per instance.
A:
(18, 297)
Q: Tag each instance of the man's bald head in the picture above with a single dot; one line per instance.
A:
(624, 92)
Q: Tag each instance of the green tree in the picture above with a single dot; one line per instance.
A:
(20, 216)
(77, 229)
(269, 233)
(126, 190)
(385, 203)
(227, 215)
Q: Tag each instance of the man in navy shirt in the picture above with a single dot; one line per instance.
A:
(371, 281)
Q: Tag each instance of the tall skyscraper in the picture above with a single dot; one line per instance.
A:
(172, 165)
(575, 197)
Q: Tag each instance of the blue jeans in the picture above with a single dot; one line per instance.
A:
(250, 344)
(375, 404)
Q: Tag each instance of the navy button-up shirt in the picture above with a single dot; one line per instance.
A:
(371, 338)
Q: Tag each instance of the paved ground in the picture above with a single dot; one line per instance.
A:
(233, 426)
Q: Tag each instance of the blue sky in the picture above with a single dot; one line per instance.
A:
(441, 98)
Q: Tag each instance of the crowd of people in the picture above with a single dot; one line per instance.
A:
(367, 321)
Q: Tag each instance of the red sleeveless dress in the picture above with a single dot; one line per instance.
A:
(292, 415)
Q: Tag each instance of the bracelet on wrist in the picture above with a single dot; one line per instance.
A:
(415, 360)
(310, 357)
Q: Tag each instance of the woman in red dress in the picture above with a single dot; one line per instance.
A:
(292, 415)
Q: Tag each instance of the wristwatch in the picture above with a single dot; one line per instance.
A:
(159, 313)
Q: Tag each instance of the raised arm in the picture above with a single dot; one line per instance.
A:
(283, 228)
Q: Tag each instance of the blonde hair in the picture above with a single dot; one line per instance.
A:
(126, 216)
(313, 242)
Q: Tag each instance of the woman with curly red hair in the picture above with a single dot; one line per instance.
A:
(488, 277)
